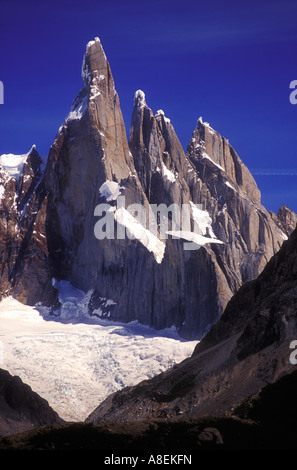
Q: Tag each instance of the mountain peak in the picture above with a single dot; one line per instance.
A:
(208, 144)
(200, 122)
(95, 67)
(92, 42)
(160, 114)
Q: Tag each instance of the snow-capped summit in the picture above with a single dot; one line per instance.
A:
(160, 113)
(139, 98)
(92, 42)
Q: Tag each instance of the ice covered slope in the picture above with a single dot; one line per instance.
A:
(75, 361)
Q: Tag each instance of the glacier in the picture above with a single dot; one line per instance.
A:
(75, 361)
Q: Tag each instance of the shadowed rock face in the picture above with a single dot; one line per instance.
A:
(25, 269)
(50, 231)
(248, 348)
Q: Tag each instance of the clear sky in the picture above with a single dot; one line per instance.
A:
(229, 61)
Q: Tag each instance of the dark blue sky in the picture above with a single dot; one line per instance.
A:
(230, 62)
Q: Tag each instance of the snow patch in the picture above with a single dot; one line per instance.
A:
(206, 124)
(203, 220)
(78, 108)
(95, 84)
(205, 155)
(110, 190)
(203, 224)
(104, 308)
(91, 43)
(94, 92)
(168, 174)
(199, 240)
(139, 99)
(13, 164)
(74, 304)
(138, 231)
(284, 236)
(160, 113)
(230, 186)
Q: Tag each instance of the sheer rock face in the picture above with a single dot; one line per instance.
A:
(48, 223)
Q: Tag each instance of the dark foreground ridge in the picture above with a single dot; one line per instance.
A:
(20, 407)
(265, 421)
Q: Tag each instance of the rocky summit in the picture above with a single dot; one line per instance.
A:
(51, 219)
